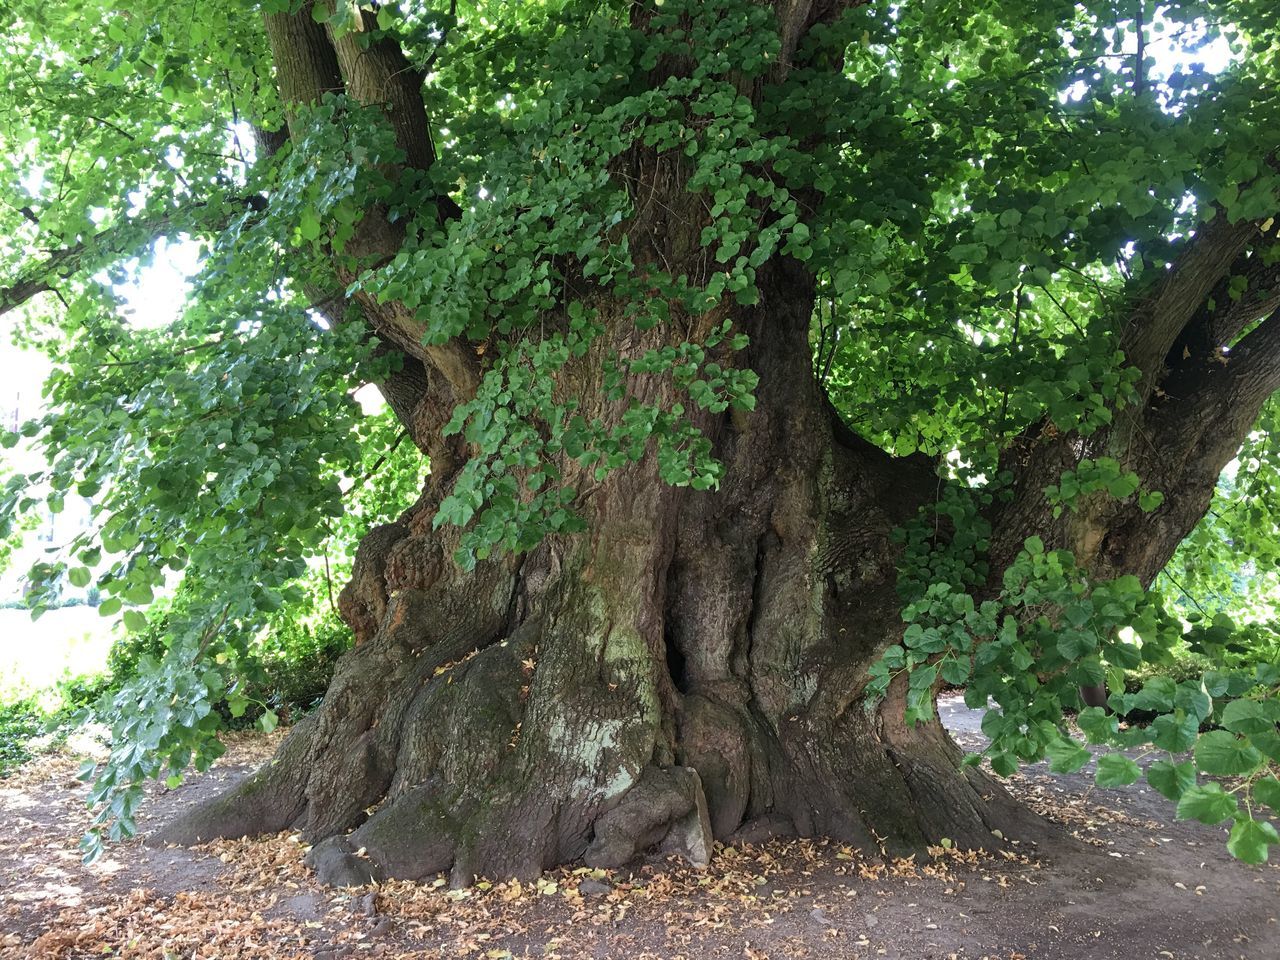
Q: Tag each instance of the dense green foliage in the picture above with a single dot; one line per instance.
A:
(283, 675)
(982, 189)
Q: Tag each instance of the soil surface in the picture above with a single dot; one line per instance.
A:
(1124, 880)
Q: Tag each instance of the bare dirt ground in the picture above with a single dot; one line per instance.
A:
(1125, 881)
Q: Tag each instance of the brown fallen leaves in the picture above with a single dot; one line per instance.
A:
(187, 925)
(255, 899)
(1077, 812)
(250, 915)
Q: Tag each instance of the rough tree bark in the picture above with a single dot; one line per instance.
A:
(691, 668)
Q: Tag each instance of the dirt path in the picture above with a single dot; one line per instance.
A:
(1130, 883)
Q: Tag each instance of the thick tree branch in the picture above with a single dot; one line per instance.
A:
(797, 17)
(25, 288)
(1191, 435)
(41, 277)
(1159, 320)
(1252, 366)
(403, 389)
(1247, 292)
(1261, 296)
(1248, 311)
(312, 60)
(380, 74)
(1187, 440)
(1198, 404)
(306, 65)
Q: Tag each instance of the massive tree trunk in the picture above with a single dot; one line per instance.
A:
(694, 665)
(690, 667)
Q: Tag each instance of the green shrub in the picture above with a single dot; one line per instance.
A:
(301, 668)
(1184, 666)
(292, 667)
(19, 722)
(23, 720)
(288, 670)
(84, 691)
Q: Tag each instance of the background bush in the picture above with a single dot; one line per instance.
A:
(28, 719)
(287, 671)
(20, 721)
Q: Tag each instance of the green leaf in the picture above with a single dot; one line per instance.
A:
(1250, 839)
(1216, 683)
(268, 721)
(309, 226)
(1191, 698)
(1267, 790)
(1268, 743)
(1097, 724)
(1170, 779)
(1149, 501)
(1223, 754)
(1005, 764)
(1173, 733)
(955, 670)
(1156, 694)
(1207, 802)
(1247, 716)
(1117, 770)
(895, 658)
(1076, 644)
(1122, 486)
(1066, 756)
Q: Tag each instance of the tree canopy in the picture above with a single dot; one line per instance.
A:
(1027, 226)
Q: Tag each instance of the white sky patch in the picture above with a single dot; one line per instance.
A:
(370, 399)
(1171, 46)
(33, 181)
(160, 289)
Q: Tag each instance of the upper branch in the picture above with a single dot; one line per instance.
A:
(306, 65)
(126, 237)
(1162, 317)
(797, 17)
(1252, 367)
(1260, 272)
(1246, 293)
(311, 60)
(380, 74)
(38, 280)
(1197, 431)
